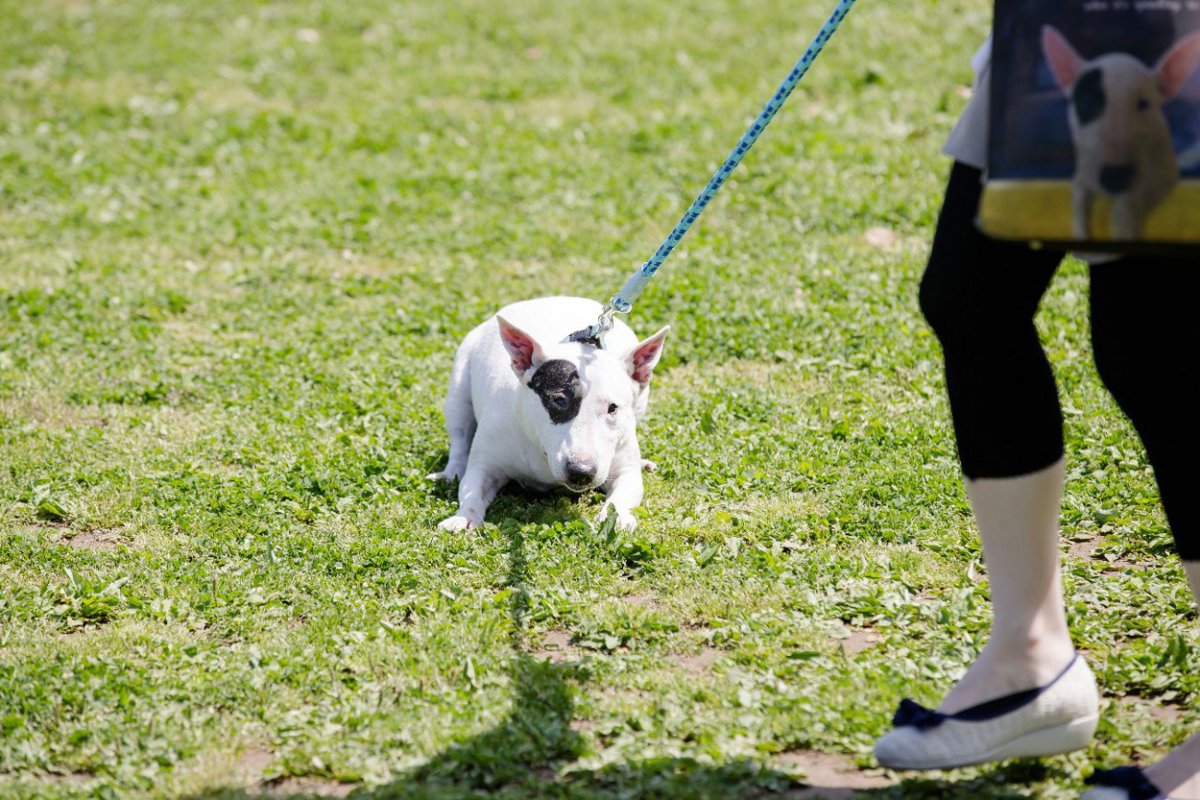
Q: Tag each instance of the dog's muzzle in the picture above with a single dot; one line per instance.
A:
(1116, 179)
(580, 476)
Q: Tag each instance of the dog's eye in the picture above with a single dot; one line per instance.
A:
(612, 408)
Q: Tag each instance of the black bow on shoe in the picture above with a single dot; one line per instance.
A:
(918, 716)
(1131, 779)
(911, 713)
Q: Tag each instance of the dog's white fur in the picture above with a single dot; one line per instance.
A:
(501, 428)
(1122, 147)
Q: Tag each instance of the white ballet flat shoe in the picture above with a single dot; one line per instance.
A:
(1056, 718)
(1122, 783)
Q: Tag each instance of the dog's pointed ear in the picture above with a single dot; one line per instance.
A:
(642, 358)
(522, 348)
(1174, 68)
(1065, 63)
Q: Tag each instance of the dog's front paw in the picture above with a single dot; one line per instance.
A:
(626, 522)
(447, 475)
(456, 523)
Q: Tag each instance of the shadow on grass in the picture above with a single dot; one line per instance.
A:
(524, 506)
(522, 757)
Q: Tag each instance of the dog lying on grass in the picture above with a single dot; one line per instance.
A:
(1122, 141)
(523, 406)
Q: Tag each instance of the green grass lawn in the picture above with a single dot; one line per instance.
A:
(240, 242)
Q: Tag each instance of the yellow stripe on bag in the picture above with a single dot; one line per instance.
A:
(1041, 210)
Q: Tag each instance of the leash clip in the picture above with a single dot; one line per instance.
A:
(594, 334)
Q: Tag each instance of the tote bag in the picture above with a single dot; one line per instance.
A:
(1094, 128)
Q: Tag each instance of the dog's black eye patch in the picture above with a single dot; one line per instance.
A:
(1088, 96)
(556, 382)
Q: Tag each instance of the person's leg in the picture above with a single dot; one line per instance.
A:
(1177, 775)
(980, 295)
(1027, 694)
(1029, 643)
(1145, 341)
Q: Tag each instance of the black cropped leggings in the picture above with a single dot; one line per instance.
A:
(980, 296)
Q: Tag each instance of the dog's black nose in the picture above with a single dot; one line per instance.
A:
(1116, 179)
(580, 474)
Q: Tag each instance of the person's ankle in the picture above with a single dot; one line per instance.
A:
(1010, 664)
(1040, 654)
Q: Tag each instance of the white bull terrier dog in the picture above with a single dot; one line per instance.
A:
(1122, 141)
(524, 406)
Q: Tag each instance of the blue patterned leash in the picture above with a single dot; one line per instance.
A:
(623, 301)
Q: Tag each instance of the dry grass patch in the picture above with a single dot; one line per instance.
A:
(48, 412)
(1089, 550)
(99, 539)
(700, 663)
(854, 641)
(556, 647)
(311, 787)
(1167, 713)
(828, 776)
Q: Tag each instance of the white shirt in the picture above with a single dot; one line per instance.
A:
(968, 141)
